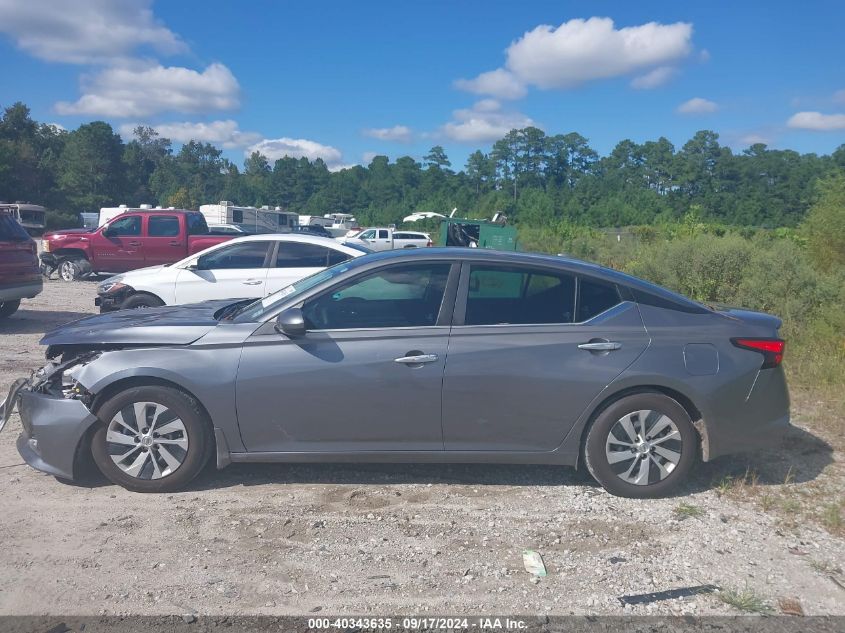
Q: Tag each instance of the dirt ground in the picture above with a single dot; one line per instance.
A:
(342, 539)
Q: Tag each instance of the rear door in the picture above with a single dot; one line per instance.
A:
(237, 270)
(164, 239)
(516, 379)
(118, 246)
(294, 260)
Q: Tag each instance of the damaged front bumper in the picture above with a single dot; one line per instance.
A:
(53, 422)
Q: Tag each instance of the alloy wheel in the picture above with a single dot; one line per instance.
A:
(147, 440)
(67, 271)
(643, 447)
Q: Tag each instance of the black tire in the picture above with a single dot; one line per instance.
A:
(610, 476)
(196, 427)
(73, 268)
(8, 308)
(141, 300)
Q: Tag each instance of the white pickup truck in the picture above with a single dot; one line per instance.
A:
(385, 239)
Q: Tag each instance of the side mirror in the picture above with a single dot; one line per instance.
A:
(291, 322)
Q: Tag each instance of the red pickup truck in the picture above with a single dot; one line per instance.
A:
(134, 239)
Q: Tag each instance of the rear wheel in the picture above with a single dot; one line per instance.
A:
(8, 308)
(141, 300)
(152, 439)
(641, 446)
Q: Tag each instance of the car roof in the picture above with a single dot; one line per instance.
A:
(289, 237)
(643, 290)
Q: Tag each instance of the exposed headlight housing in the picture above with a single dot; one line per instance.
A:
(112, 284)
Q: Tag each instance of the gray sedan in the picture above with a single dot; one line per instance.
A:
(494, 357)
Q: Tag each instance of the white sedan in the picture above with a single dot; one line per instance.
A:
(248, 267)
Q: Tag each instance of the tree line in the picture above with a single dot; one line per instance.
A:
(535, 178)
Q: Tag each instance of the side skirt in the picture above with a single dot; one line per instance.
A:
(410, 457)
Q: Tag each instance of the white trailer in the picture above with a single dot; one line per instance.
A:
(32, 217)
(107, 213)
(264, 218)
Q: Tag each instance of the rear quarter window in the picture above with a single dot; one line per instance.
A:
(594, 297)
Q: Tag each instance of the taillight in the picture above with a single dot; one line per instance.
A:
(430, 243)
(770, 348)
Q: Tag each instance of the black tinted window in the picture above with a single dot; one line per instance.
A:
(500, 295)
(336, 257)
(237, 216)
(163, 226)
(125, 227)
(299, 255)
(196, 224)
(407, 295)
(595, 297)
(242, 255)
(10, 230)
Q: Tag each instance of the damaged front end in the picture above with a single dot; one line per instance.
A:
(54, 409)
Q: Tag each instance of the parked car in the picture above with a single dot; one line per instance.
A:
(495, 357)
(20, 277)
(314, 229)
(236, 230)
(385, 239)
(247, 267)
(131, 240)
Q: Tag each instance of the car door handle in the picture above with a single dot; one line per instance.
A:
(176, 243)
(252, 282)
(134, 243)
(600, 346)
(417, 359)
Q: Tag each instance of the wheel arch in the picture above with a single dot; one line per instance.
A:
(64, 253)
(681, 398)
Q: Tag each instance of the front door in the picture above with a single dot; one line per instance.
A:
(517, 379)
(118, 247)
(234, 271)
(366, 377)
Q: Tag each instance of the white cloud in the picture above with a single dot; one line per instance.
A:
(139, 91)
(367, 157)
(654, 78)
(85, 31)
(817, 121)
(579, 51)
(697, 105)
(484, 122)
(224, 133)
(500, 83)
(276, 148)
(398, 133)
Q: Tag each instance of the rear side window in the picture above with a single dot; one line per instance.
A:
(337, 257)
(594, 297)
(300, 255)
(126, 227)
(503, 295)
(382, 235)
(196, 224)
(242, 255)
(163, 226)
(10, 230)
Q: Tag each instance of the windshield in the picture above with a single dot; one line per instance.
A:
(256, 310)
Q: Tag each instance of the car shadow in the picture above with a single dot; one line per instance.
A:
(38, 321)
(801, 457)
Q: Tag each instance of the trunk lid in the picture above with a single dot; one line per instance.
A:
(760, 323)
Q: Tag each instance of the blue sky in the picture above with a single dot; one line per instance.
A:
(343, 80)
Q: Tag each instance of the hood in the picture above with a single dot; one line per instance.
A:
(168, 325)
(50, 234)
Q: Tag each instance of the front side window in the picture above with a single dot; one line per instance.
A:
(243, 255)
(163, 226)
(406, 295)
(125, 227)
(503, 295)
(301, 255)
(594, 297)
(368, 235)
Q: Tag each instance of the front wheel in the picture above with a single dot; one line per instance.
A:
(141, 300)
(641, 446)
(72, 269)
(151, 439)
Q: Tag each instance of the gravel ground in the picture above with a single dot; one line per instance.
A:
(341, 539)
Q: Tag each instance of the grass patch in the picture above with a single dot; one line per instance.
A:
(791, 505)
(831, 517)
(745, 600)
(687, 511)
